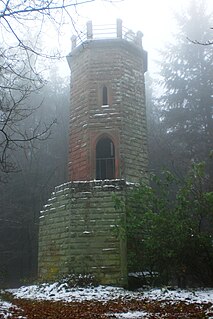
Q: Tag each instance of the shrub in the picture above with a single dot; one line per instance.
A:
(170, 227)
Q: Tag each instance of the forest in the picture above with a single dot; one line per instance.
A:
(34, 130)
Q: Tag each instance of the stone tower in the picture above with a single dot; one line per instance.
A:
(108, 120)
(79, 227)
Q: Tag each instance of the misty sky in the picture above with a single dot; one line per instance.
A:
(153, 17)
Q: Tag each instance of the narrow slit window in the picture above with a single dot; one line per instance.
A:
(105, 95)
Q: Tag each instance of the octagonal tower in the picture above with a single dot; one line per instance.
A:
(79, 227)
(108, 118)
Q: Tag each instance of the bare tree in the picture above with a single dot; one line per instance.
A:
(40, 168)
(18, 80)
(21, 26)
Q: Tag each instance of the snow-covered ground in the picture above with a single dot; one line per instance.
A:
(103, 293)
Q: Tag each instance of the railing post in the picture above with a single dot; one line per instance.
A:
(89, 30)
(73, 41)
(119, 28)
(138, 38)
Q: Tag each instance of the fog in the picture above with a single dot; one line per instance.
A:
(154, 18)
(34, 140)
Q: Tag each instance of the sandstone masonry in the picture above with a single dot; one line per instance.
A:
(119, 65)
(80, 229)
(79, 232)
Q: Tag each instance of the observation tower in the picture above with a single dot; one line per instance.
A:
(80, 228)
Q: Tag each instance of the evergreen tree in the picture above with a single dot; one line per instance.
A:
(160, 156)
(187, 102)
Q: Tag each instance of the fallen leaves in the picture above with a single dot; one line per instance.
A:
(33, 309)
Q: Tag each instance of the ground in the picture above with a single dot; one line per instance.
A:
(51, 301)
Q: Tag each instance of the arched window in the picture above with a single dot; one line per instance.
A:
(105, 96)
(105, 159)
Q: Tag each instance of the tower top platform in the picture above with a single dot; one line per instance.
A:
(109, 31)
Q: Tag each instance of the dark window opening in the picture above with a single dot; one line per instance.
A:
(105, 96)
(105, 159)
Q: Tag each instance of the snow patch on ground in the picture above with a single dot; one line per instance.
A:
(58, 291)
(62, 292)
(198, 295)
(130, 315)
(5, 309)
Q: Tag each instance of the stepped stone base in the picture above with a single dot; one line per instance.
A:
(79, 232)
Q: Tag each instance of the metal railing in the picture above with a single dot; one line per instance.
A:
(109, 31)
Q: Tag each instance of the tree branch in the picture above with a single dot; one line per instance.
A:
(9, 12)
